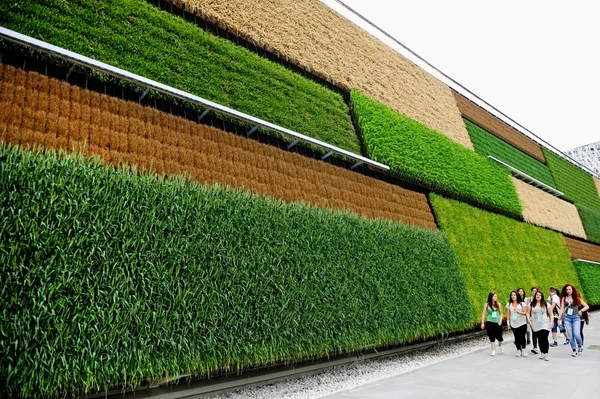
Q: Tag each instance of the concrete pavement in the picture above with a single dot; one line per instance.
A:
(479, 375)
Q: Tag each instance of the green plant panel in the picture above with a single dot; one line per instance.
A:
(577, 184)
(140, 38)
(487, 144)
(589, 275)
(417, 153)
(111, 277)
(591, 222)
(500, 254)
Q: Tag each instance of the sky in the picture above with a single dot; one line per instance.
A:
(536, 61)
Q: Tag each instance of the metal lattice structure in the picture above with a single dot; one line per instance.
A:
(588, 155)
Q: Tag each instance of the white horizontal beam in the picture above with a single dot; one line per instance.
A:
(171, 91)
(587, 261)
(525, 177)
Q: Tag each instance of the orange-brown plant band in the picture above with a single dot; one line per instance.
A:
(39, 111)
(489, 122)
(583, 250)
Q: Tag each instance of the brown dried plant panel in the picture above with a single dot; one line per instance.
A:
(544, 209)
(489, 122)
(313, 36)
(583, 250)
(124, 132)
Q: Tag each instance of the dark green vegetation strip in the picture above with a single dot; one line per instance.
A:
(500, 254)
(425, 156)
(134, 35)
(110, 277)
(487, 144)
(577, 184)
(589, 275)
(591, 222)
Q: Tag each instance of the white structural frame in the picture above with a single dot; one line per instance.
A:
(528, 179)
(587, 261)
(171, 91)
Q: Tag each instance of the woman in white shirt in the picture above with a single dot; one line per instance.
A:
(541, 318)
(517, 319)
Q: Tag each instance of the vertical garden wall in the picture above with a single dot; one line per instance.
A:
(117, 270)
(113, 277)
(500, 254)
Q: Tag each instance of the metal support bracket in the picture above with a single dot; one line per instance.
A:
(202, 115)
(69, 73)
(324, 157)
(356, 165)
(293, 143)
(251, 131)
(143, 95)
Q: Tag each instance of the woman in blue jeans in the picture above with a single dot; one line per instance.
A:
(570, 300)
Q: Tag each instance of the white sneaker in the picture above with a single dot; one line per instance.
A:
(493, 353)
(547, 357)
(519, 353)
(525, 354)
(542, 355)
(501, 348)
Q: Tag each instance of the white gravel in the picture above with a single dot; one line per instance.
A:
(346, 377)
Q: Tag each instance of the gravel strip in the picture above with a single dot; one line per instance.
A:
(350, 376)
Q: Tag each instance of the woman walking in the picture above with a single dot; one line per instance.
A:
(521, 292)
(542, 318)
(528, 301)
(570, 300)
(517, 320)
(492, 314)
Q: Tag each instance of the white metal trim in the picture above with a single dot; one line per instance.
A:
(528, 179)
(587, 261)
(171, 91)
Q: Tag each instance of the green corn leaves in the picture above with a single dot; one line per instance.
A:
(112, 278)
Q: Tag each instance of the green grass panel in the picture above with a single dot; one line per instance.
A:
(500, 254)
(418, 153)
(487, 144)
(138, 37)
(111, 277)
(589, 275)
(577, 184)
(591, 222)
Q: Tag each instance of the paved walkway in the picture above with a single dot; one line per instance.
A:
(479, 375)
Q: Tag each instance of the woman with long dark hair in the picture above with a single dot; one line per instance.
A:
(517, 319)
(542, 318)
(570, 300)
(523, 295)
(492, 314)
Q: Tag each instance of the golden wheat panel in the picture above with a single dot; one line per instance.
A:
(544, 209)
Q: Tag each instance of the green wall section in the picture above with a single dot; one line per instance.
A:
(500, 254)
(138, 37)
(577, 184)
(427, 157)
(487, 144)
(110, 277)
(589, 275)
(591, 222)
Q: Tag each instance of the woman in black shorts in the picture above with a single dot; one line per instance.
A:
(491, 320)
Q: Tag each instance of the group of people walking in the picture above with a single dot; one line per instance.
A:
(565, 311)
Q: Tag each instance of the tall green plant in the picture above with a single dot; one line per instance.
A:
(142, 39)
(111, 277)
(500, 254)
(427, 157)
